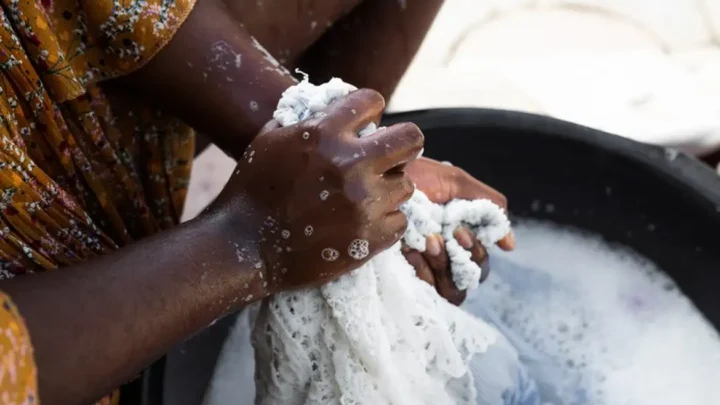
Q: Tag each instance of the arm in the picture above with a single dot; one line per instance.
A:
(219, 79)
(214, 76)
(95, 325)
(373, 45)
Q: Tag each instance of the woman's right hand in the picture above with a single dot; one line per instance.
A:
(319, 200)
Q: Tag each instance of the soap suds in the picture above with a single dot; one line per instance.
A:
(275, 66)
(359, 249)
(222, 56)
(330, 254)
(598, 324)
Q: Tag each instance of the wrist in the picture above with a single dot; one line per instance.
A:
(239, 261)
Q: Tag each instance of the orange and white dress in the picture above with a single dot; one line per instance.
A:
(83, 171)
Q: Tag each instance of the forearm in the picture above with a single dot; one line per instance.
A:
(216, 77)
(373, 45)
(96, 325)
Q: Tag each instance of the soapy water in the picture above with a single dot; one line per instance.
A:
(593, 324)
(597, 324)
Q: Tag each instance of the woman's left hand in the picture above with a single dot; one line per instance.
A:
(442, 183)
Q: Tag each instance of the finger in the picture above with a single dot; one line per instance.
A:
(467, 240)
(269, 126)
(478, 252)
(469, 188)
(480, 256)
(507, 243)
(392, 228)
(440, 266)
(399, 188)
(352, 113)
(465, 237)
(393, 147)
(422, 268)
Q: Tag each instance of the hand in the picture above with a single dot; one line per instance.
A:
(322, 201)
(442, 183)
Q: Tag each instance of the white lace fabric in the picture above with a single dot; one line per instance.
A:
(379, 335)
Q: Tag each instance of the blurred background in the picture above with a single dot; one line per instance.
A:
(648, 70)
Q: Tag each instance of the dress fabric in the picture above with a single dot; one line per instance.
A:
(83, 170)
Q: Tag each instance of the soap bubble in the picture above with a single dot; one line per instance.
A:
(330, 255)
(359, 249)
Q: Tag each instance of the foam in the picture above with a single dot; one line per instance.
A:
(598, 324)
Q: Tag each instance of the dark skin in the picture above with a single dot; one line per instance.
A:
(103, 321)
(443, 183)
(344, 29)
(85, 327)
(335, 178)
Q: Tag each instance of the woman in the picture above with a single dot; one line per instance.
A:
(92, 160)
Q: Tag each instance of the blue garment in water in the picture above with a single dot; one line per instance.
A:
(501, 378)
(513, 369)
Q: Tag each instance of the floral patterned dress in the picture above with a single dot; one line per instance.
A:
(82, 171)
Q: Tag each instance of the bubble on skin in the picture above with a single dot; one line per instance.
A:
(359, 249)
(254, 105)
(324, 195)
(283, 56)
(308, 230)
(306, 135)
(285, 234)
(330, 254)
(274, 64)
(223, 56)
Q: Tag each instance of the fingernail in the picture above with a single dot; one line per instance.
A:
(464, 237)
(432, 245)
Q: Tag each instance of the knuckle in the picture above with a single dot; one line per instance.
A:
(401, 226)
(315, 126)
(502, 200)
(456, 297)
(371, 97)
(408, 188)
(412, 134)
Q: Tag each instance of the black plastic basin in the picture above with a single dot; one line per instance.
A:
(596, 181)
